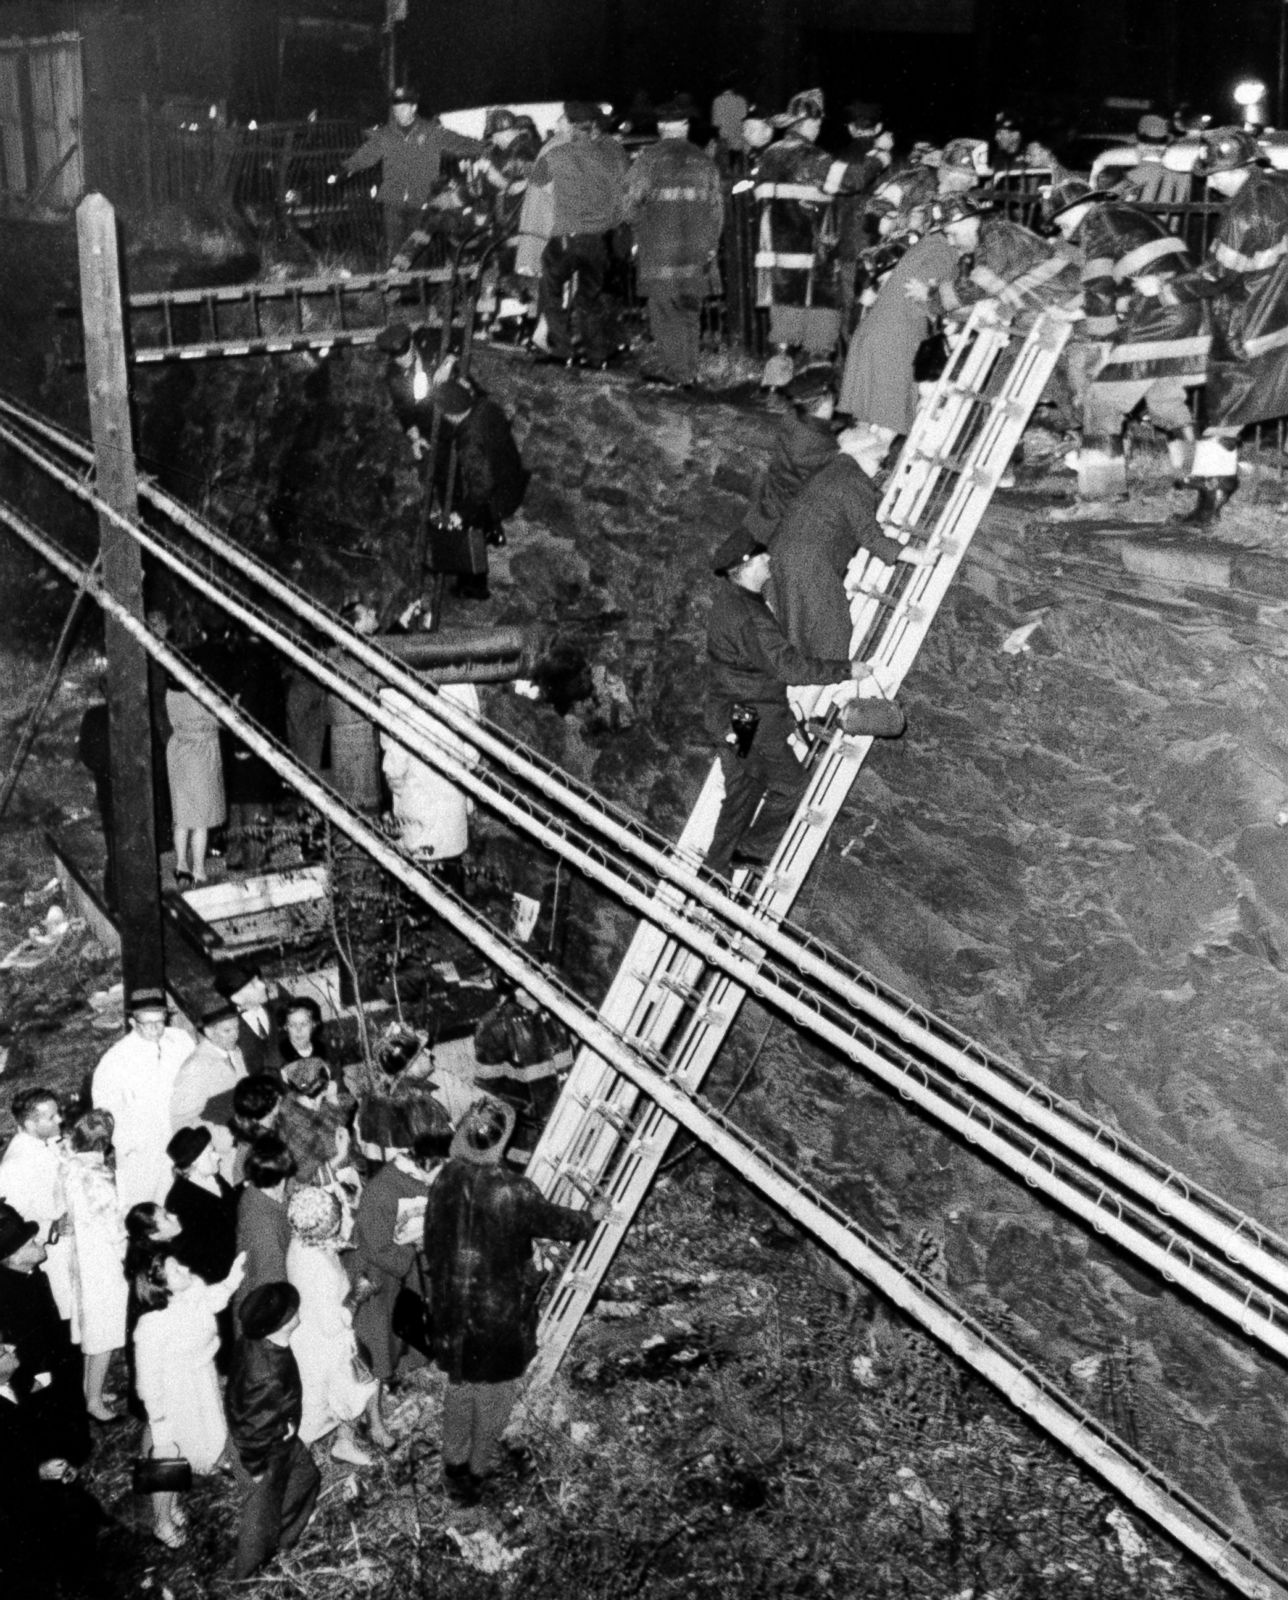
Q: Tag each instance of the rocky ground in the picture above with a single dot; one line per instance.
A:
(1073, 855)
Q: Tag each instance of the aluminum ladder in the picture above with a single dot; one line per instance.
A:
(604, 1138)
(322, 313)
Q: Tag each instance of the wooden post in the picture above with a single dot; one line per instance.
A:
(137, 880)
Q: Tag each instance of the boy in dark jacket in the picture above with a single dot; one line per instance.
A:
(480, 1224)
(277, 1472)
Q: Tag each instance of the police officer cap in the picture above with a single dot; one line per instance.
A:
(581, 113)
(863, 113)
(268, 1308)
(394, 340)
(147, 1000)
(674, 111)
(736, 549)
(404, 95)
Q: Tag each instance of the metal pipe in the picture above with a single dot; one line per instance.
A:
(1176, 1513)
(1224, 1228)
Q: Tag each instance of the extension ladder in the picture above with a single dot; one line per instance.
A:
(323, 313)
(604, 1139)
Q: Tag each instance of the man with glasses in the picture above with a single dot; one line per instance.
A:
(135, 1082)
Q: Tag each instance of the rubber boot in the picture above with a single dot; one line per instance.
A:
(1213, 494)
(1216, 477)
(1180, 452)
(1102, 470)
(1102, 481)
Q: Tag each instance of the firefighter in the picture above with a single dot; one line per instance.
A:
(675, 206)
(963, 166)
(1138, 351)
(795, 258)
(1245, 278)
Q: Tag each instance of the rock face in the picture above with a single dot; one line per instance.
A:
(1072, 855)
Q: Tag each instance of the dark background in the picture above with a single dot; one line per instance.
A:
(941, 67)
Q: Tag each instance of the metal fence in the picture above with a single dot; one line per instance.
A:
(143, 159)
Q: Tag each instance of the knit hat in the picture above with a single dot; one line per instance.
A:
(314, 1215)
(268, 1308)
(186, 1146)
(1153, 129)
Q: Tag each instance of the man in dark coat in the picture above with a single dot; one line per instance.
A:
(279, 1478)
(831, 519)
(1245, 279)
(867, 156)
(585, 175)
(263, 1229)
(676, 208)
(409, 150)
(752, 664)
(48, 1521)
(480, 1224)
(804, 444)
(48, 1380)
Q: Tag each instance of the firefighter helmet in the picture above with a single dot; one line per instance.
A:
(1223, 150)
(966, 153)
(952, 208)
(807, 106)
(1066, 194)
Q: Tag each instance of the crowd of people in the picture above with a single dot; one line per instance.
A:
(221, 1251)
(866, 256)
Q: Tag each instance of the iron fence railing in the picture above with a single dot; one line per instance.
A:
(290, 173)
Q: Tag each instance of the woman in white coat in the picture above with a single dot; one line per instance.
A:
(175, 1344)
(432, 813)
(337, 1387)
(99, 1290)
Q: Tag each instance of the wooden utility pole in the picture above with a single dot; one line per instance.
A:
(138, 889)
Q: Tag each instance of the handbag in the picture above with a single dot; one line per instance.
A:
(931, 358)
(412, 1321)
(457, 549)
(162, 1475)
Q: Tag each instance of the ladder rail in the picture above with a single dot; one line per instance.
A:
(1242, 1238)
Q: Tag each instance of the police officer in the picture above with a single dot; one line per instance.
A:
(752, 664)
(409, 151)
